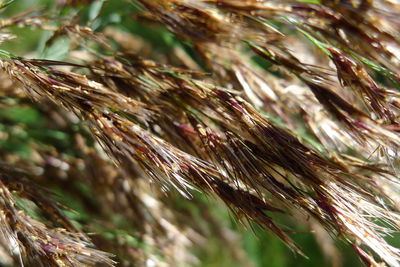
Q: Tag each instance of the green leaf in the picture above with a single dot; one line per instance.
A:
(23, 115)
(316, 42)
(95, 9)
(58, 50)
(6, 3)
